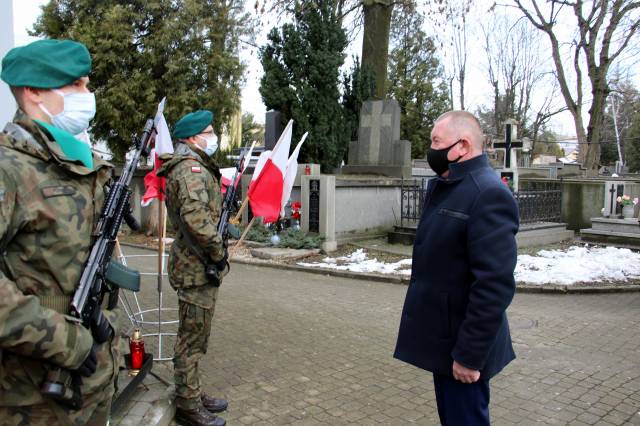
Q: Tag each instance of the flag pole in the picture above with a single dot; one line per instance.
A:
(238, 215)
(244, 234)
(162, 226)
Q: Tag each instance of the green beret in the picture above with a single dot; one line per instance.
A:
(46, 64)
(192, 124)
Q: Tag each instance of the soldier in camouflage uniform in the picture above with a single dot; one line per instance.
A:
(51, 194)
(194, 204)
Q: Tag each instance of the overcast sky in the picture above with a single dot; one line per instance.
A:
(26, 13)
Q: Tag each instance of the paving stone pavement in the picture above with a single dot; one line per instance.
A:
(290, 347)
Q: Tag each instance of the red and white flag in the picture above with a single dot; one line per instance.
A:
(154, 185)
(290, 174)
(228, 172)
(265, 190)
(262, 160)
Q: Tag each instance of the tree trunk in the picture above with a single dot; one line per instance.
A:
(591, 156)
(375, 41)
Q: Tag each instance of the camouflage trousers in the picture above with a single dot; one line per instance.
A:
(191, 344)
(95, 412)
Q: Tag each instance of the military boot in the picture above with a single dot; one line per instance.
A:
(199, 416)
(215, 405)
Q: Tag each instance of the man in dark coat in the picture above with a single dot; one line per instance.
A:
(454, 322)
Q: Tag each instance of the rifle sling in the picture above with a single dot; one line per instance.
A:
(192, 244)
(60, 304)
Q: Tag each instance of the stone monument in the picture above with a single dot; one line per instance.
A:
(379, 150)
(272, 128)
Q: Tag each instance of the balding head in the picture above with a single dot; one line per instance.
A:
(463, 125)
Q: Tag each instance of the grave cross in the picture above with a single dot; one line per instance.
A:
(612, 201)
(375, 121)
(508, 145)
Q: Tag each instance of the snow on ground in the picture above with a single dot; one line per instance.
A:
(358, 261)
(574, 265)
(578, 264)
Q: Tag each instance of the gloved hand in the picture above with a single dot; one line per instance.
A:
(88, 366)
(222, 263)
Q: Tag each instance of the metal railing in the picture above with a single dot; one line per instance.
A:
(540, 204)
(412, 196)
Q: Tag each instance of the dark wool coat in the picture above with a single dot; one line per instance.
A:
(462, 275)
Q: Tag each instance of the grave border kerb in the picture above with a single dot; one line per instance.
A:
(404, 280)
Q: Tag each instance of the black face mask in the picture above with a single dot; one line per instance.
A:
(437, 158)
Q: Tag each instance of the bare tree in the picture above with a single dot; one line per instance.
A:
(452, 28)
(517, 73)
(604, 30)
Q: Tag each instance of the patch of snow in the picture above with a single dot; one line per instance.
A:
(358, 261)
(578, 264)
(574, 265)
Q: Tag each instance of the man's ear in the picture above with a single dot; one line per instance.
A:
(466, 146)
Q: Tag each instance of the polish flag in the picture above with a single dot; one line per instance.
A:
(262, 160)
(154, 185)
(266, 188)
(227, 173)
(290, 174)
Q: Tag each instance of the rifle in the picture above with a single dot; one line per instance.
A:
(224, 229)
(100, 274)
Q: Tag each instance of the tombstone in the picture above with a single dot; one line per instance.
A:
(614, 189)
(379, 150)
(272, 128)
(506, 153)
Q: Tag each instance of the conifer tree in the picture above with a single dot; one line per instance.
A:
(143, 50)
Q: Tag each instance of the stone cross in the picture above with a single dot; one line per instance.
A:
(379, 130)
(371, 126)
(379, 150)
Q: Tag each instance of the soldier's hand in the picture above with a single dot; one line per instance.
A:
(88, 366)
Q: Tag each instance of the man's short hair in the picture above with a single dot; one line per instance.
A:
(464, 121)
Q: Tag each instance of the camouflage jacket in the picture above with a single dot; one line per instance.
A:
(48, 206)
(194, 199)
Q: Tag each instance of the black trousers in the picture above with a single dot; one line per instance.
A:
(462, 404)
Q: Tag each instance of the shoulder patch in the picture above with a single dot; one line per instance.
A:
(2, 191)
(196, 169)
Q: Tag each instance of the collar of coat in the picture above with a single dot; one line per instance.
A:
(457, 171)
(27, 137)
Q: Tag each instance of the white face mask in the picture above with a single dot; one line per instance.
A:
(79, 109)
(212, 144)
